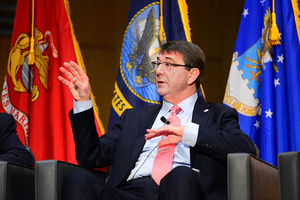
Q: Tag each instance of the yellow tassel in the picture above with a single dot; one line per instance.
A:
(31, 52)
(274, 32)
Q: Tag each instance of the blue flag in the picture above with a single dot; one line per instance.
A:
(264, 79)
(149, 25)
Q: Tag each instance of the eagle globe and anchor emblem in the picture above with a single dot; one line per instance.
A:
(140, 47)
(18, 62)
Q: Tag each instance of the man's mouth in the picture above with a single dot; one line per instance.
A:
(159, 82)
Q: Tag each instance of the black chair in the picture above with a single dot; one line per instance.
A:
(289, 175)
(50, 175)
(249, 177)
(16, 181)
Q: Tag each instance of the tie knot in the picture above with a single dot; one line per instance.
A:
(175, 109)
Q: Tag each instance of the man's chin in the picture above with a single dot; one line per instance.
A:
(160, 92)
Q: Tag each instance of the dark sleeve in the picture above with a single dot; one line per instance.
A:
(222, 135)
(11, 147)
(92, 151)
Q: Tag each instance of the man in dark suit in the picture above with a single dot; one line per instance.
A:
(206, 134)
(11, 147)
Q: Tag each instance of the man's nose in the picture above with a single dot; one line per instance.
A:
(159, 69)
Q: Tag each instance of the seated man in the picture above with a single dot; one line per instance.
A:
(176, 150)
(11, 147)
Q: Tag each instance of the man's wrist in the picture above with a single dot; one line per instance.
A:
(80, 106)
(190, 134)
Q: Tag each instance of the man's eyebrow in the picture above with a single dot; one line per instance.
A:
(167, 58)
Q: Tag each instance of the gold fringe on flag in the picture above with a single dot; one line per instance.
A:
(185, 19)
(274, 32)
(297, 16)
(31, 52)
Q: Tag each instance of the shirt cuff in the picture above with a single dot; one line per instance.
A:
(190, 134)
(81, 106)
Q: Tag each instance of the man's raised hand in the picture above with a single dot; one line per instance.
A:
(77, 81)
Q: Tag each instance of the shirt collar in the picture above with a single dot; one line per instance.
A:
(185, 105)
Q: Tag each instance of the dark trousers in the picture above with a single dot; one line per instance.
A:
(181, 183)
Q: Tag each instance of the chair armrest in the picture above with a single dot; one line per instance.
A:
(50, 175)
(16, 181)
(289, 175)
(32, 156)
(249, 177)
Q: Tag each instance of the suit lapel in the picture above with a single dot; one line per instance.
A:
(201, 114)
(147, 118)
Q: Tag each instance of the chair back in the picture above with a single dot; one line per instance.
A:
(289, 175)
(249, 177)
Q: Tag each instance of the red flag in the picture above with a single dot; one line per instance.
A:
(32, 93)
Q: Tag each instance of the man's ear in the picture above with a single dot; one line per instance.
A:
(193, 75)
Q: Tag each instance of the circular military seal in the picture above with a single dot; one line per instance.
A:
(140, 47)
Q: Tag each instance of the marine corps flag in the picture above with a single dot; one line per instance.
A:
(43, 39)
(150, 23)
(264, 79)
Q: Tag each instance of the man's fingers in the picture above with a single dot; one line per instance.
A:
(77, 70)
(157, 130)
(67, 73)
(163, 142)
(71, 68)
(64, 81)
(150, 136)
(73, 74)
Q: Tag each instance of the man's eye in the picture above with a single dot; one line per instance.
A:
(169, 64)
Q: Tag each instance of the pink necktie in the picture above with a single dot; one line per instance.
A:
(165, 154)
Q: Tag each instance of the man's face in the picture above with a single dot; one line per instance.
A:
(171, 83)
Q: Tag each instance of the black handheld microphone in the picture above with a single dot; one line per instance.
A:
(164, 120)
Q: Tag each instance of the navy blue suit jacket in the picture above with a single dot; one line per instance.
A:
(219, 134)
(11, 147)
